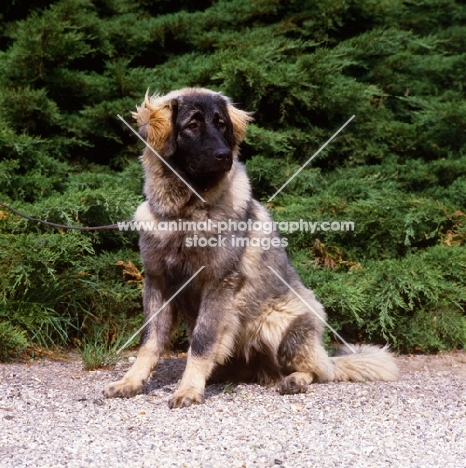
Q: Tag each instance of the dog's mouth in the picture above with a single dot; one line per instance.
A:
(216, 170)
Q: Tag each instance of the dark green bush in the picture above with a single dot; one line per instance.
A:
(398, 171)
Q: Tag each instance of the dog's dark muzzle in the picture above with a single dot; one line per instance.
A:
(223, 158)
(218, 162)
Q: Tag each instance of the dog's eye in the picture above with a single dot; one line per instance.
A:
(221, 124)
(193, 125)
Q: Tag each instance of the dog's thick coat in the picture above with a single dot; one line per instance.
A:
(242, 320)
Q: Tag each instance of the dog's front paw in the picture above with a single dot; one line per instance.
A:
(294, 383)
(123, 388)
(184, 398)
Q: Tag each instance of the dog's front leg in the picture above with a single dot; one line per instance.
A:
(212, 342)
(155, 335)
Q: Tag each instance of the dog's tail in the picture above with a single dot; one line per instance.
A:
(361, 363)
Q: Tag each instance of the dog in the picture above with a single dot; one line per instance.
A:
(247, 313)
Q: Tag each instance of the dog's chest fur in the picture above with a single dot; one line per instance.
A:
(180, 241)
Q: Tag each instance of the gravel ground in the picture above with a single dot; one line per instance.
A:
(53, 414)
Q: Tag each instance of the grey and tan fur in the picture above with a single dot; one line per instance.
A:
(242, 320)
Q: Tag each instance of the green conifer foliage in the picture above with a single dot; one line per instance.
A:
(398, 171)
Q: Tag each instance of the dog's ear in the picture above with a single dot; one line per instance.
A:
(155, 118)
(239, 120)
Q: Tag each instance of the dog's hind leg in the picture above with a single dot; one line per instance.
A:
(310, 363)
(307, 362)
(301, 354)
(156, 334)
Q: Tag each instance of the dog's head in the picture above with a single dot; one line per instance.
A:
(197, 130)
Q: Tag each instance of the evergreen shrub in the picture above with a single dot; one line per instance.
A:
(398, 171)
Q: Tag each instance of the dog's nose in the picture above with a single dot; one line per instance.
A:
(222, 154)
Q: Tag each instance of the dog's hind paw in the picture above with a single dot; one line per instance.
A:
(294, 383)
(185, 398)
(122, 389)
